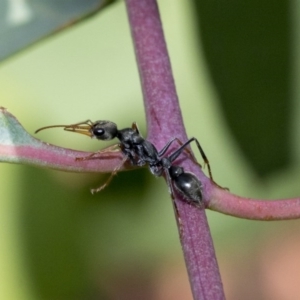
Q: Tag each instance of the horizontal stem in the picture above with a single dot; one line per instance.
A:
(247, 208)
(58, 158)
(18, 146)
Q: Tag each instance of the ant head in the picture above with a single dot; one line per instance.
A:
(101, 130)
(104, 130)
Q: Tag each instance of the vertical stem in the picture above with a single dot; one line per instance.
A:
(160, 97)
(164, 121)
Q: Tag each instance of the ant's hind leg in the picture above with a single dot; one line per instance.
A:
(114, 172)
(171, 191)
(177, 215)
(204, 157)
(206, 162)
(182, 148)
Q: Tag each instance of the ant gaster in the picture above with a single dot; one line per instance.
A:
(140, 152)
(187, 184)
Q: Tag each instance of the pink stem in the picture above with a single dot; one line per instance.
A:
(247, 208)
(59, 158)
(164, 121)
(18, 146)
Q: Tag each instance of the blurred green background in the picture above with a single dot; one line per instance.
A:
(60, 242)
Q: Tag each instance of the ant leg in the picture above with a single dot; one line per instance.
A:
(206, 162)
(166, 147)
(189, 152)
(183, 146)
(171, 191)
(114, 172)
(135, 127)
(177, 215)
(92, 156)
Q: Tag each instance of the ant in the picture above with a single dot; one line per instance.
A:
(140, 152)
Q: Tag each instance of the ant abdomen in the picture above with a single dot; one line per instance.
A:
(187, 184)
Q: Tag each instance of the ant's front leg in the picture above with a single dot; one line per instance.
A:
(112, 148)
(135, 127)
(114, 172)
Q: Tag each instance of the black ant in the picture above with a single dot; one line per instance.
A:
(140, 152)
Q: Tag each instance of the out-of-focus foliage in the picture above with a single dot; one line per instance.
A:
(23, 22)
(248, 47)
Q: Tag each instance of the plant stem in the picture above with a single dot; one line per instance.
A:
(254, 209)
(164, 122)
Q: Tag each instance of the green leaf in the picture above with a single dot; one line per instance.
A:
(248, 48)
(24, 22)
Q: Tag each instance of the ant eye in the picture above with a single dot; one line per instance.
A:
(98, 132)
